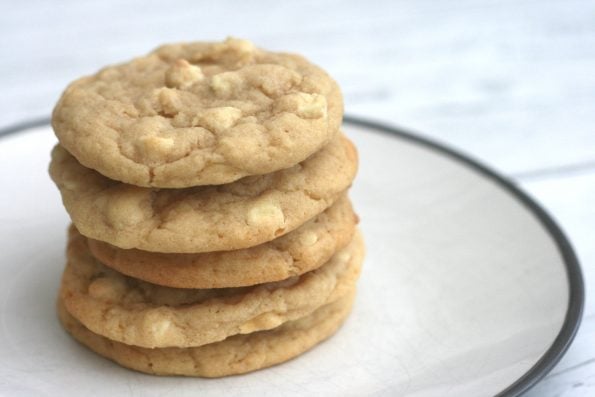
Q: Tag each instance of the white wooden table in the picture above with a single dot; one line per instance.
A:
(510, 82)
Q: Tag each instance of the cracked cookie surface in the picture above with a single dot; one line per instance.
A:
(237, 354)
(304, 249)
(199, 114)
(137, 313)
(245, 213)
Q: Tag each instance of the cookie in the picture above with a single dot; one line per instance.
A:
(237, 354)
(142, 314)
(199, 114)
(242, 214)
(302, 250)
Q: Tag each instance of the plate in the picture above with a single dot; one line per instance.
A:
(469, 288)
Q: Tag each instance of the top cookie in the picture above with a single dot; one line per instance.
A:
(199, 114)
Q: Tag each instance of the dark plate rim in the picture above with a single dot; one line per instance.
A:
(576, 299)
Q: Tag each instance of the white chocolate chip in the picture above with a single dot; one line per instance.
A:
(154, 147)
(308, 239)
(170, 101)
(107, 289)
(219, 119)
(313, 109)
(224, 84)
(265, 213)
(182, 74)
(125, 208)
(264, 321)
(159, 327)
(309, 106)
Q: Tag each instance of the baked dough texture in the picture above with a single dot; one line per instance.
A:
(142, 314)
(235, 355)
(306, 248)
(199, 114)
(242, 214)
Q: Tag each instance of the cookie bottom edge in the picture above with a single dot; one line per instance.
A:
(235, 355)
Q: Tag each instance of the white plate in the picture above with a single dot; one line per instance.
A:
(468, 289)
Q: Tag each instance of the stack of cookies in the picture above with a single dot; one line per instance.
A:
(207, 185)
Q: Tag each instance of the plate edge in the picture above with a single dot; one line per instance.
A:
(574, 311)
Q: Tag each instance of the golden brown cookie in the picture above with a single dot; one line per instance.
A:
(199, 114)
(304, 249)
(235, 355)
(138, 313)
(242, 214)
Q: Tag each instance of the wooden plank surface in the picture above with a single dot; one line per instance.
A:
(510, 82)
